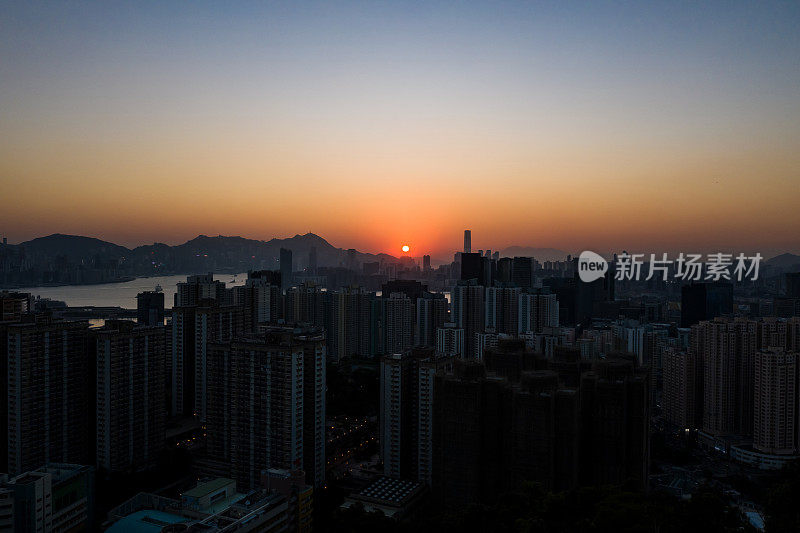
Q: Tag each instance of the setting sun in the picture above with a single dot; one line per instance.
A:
(406, 248)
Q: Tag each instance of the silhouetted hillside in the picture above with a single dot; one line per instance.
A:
(201, 254)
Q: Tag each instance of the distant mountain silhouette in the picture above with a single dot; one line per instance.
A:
(234, 253)
(74, 247)
(196, 255)
(785, 261)
(541, 254)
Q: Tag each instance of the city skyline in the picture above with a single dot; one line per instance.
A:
(400, 266)
(661, 126)
(405, 250)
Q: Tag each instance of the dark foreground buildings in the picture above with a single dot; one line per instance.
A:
(517, 417)
(266, 405)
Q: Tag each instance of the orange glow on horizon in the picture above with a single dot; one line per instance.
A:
(663, 139)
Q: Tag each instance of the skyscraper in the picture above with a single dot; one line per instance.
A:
(792, 280)
(537, 311)
(266, 405)
(615, 423)
(182, 360)
(314, 406)
(213, 324)
(255, 404)
(305, 305)
(473, 267)
(13, 305)
(200, 287)
(519, 418)
(431, 315)
(193, 329)
(468, 308)
(450, 340)
(150, 308)
(428, 367)
(286, 268)
(397, 414)
(130, 408)
(426, 263)
(522, 272)
(682, 403)
(49, 394)
(397, 320)
(726, 347)
(406, 412)
(468, 416)
(312, 261)
(348, 322)
(467, 241)
(705, 301)
(775, 422)
(502, 309)
(260, 296)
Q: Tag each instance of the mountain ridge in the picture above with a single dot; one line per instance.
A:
(80, 247)
(201, 252)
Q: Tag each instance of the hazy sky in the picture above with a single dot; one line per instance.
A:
(636, 125)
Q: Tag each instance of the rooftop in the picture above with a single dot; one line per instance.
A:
(147, 521)
(207, 487)
(391, 491)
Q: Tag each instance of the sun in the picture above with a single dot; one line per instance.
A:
(406, 248)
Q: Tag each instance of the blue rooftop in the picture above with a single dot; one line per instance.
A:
(147, 521)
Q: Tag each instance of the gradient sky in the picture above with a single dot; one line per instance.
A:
(638, 125)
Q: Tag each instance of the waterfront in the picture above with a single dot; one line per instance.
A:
(121, 294)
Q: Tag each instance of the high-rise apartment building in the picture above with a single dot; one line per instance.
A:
(522, 272)
(477, 268)
(305, 304)
(426, 263)
(705, 301)
(13, 305)
(261, 297)
(50, 396)
(775, 416)
(130, 407)
(397, 415)
(469, 411)
(201, 287)
(406, 412)
(428, 366)
(682, 396)
(467, 241)
(312, 261)
(150, 308)
(287, 268)
(266, 404)
(397, 323)
(502, 309)
(468, 308)
(193, 329)
(450, 341)
(615, 423)
(537, 311)
(213, 324)
(727, 349)
(517, 417)
(348, 322)
(430, 316)
(314, 390)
